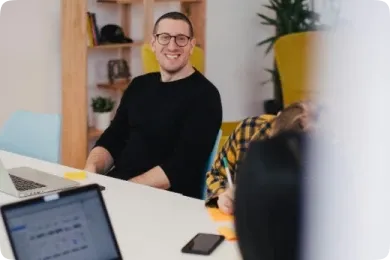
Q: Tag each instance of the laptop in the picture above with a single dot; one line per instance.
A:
(25, 181)
(69, 225)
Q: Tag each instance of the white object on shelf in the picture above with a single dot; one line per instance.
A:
(102, 120)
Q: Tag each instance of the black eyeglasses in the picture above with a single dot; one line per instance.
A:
(181, 40)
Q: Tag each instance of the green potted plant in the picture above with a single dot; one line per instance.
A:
(102, 108)
(289, 16)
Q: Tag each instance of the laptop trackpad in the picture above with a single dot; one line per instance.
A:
(41, 177)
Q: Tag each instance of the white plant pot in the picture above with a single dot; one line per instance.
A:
(102, 120)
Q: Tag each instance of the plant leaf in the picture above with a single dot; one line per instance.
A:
(269, 48)
(277, 3)
(268, 40)
(271, 7)
(271, 79)
(267, 19)
(266, 23)
(272, 71)
(266, 81)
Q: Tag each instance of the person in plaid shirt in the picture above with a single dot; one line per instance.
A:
(294, 117)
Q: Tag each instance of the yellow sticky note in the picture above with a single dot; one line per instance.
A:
(218, 215)
(75, 175)
(228, 233)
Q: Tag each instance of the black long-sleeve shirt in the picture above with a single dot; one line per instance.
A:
(173, 125)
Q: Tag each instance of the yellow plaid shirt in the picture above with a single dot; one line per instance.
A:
(252, 128)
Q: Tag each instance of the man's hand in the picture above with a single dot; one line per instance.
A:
(225, 201)
(99, 161)
(90, 168)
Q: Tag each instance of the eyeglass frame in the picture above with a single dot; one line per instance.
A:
(173, 36)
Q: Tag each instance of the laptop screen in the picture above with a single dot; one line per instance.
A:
(73, 226)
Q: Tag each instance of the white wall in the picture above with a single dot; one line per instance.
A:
(234, 63)
(30, 72)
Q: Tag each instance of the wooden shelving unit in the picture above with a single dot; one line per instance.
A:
(118, 86)
(93, 133)
(75, 131)
(116, 46)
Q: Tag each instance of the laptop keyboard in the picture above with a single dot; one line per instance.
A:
(23, 184)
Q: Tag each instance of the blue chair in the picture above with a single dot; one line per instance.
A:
(211, 161)
(32, 134)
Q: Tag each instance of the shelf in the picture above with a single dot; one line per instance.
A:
(122, 85)
(94, 133)
(140, 1)
(116, 46)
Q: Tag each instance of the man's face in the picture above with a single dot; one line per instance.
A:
(172, 53)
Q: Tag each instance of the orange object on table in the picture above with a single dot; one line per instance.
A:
(228, 233)
(218, 215)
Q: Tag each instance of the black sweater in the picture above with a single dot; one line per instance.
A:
(168, 124)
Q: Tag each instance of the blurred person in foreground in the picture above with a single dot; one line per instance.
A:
(268, 198)
(297, 116)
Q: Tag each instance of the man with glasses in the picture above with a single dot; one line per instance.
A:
(167, 122)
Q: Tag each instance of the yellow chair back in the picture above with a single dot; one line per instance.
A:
(293, 55)
(227, 129)
(150, 63)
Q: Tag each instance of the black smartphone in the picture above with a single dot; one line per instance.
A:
(203, 244)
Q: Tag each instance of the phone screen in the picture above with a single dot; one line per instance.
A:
(203, 244)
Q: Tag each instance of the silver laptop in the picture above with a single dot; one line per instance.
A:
(25, 182)
(68, 225)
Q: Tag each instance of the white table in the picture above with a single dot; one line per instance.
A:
(149, 223)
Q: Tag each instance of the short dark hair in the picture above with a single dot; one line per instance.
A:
(175, 16)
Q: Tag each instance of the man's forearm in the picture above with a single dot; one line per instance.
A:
(99, 161)
(155, 177)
